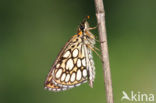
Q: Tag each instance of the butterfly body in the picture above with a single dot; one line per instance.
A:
(74, 64)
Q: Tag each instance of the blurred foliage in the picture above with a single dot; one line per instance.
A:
(32, 32)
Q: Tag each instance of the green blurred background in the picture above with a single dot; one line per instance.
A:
(32, 32)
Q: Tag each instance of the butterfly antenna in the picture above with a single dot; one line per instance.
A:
(85, 19)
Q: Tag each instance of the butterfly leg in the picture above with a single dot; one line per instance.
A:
(99, 41)
(97, 48)
(93, 36)
(94, 47)
(92, 28)
(94, 51)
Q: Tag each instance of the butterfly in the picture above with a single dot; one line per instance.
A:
(74, 64)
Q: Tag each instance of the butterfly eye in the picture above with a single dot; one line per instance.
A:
(82, 27)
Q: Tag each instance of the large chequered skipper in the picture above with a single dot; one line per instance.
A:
(74, 64)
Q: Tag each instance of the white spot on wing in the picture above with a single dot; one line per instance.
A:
(75, 52)
(91, 61)
(72, 77)
(49, 89)
(78, 77)
(63, 76)
(64, 88)
(58, 89)
(57, 66)
(84, 62)
(78, 63)
(69, 64)
(58, 74)
(71, 86)
(54, 89)
(67, 78)
(78, 84)
(84, 72)
(66, 54)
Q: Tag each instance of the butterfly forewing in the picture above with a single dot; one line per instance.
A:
(70, 69)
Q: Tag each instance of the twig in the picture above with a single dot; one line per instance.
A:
(100, 14)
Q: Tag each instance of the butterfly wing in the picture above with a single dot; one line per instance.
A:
(70, 68)
(90, 66)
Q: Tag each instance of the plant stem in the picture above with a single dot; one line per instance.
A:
(100, 14)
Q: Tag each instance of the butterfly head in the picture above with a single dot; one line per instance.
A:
(84, 24)
(84, 28)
